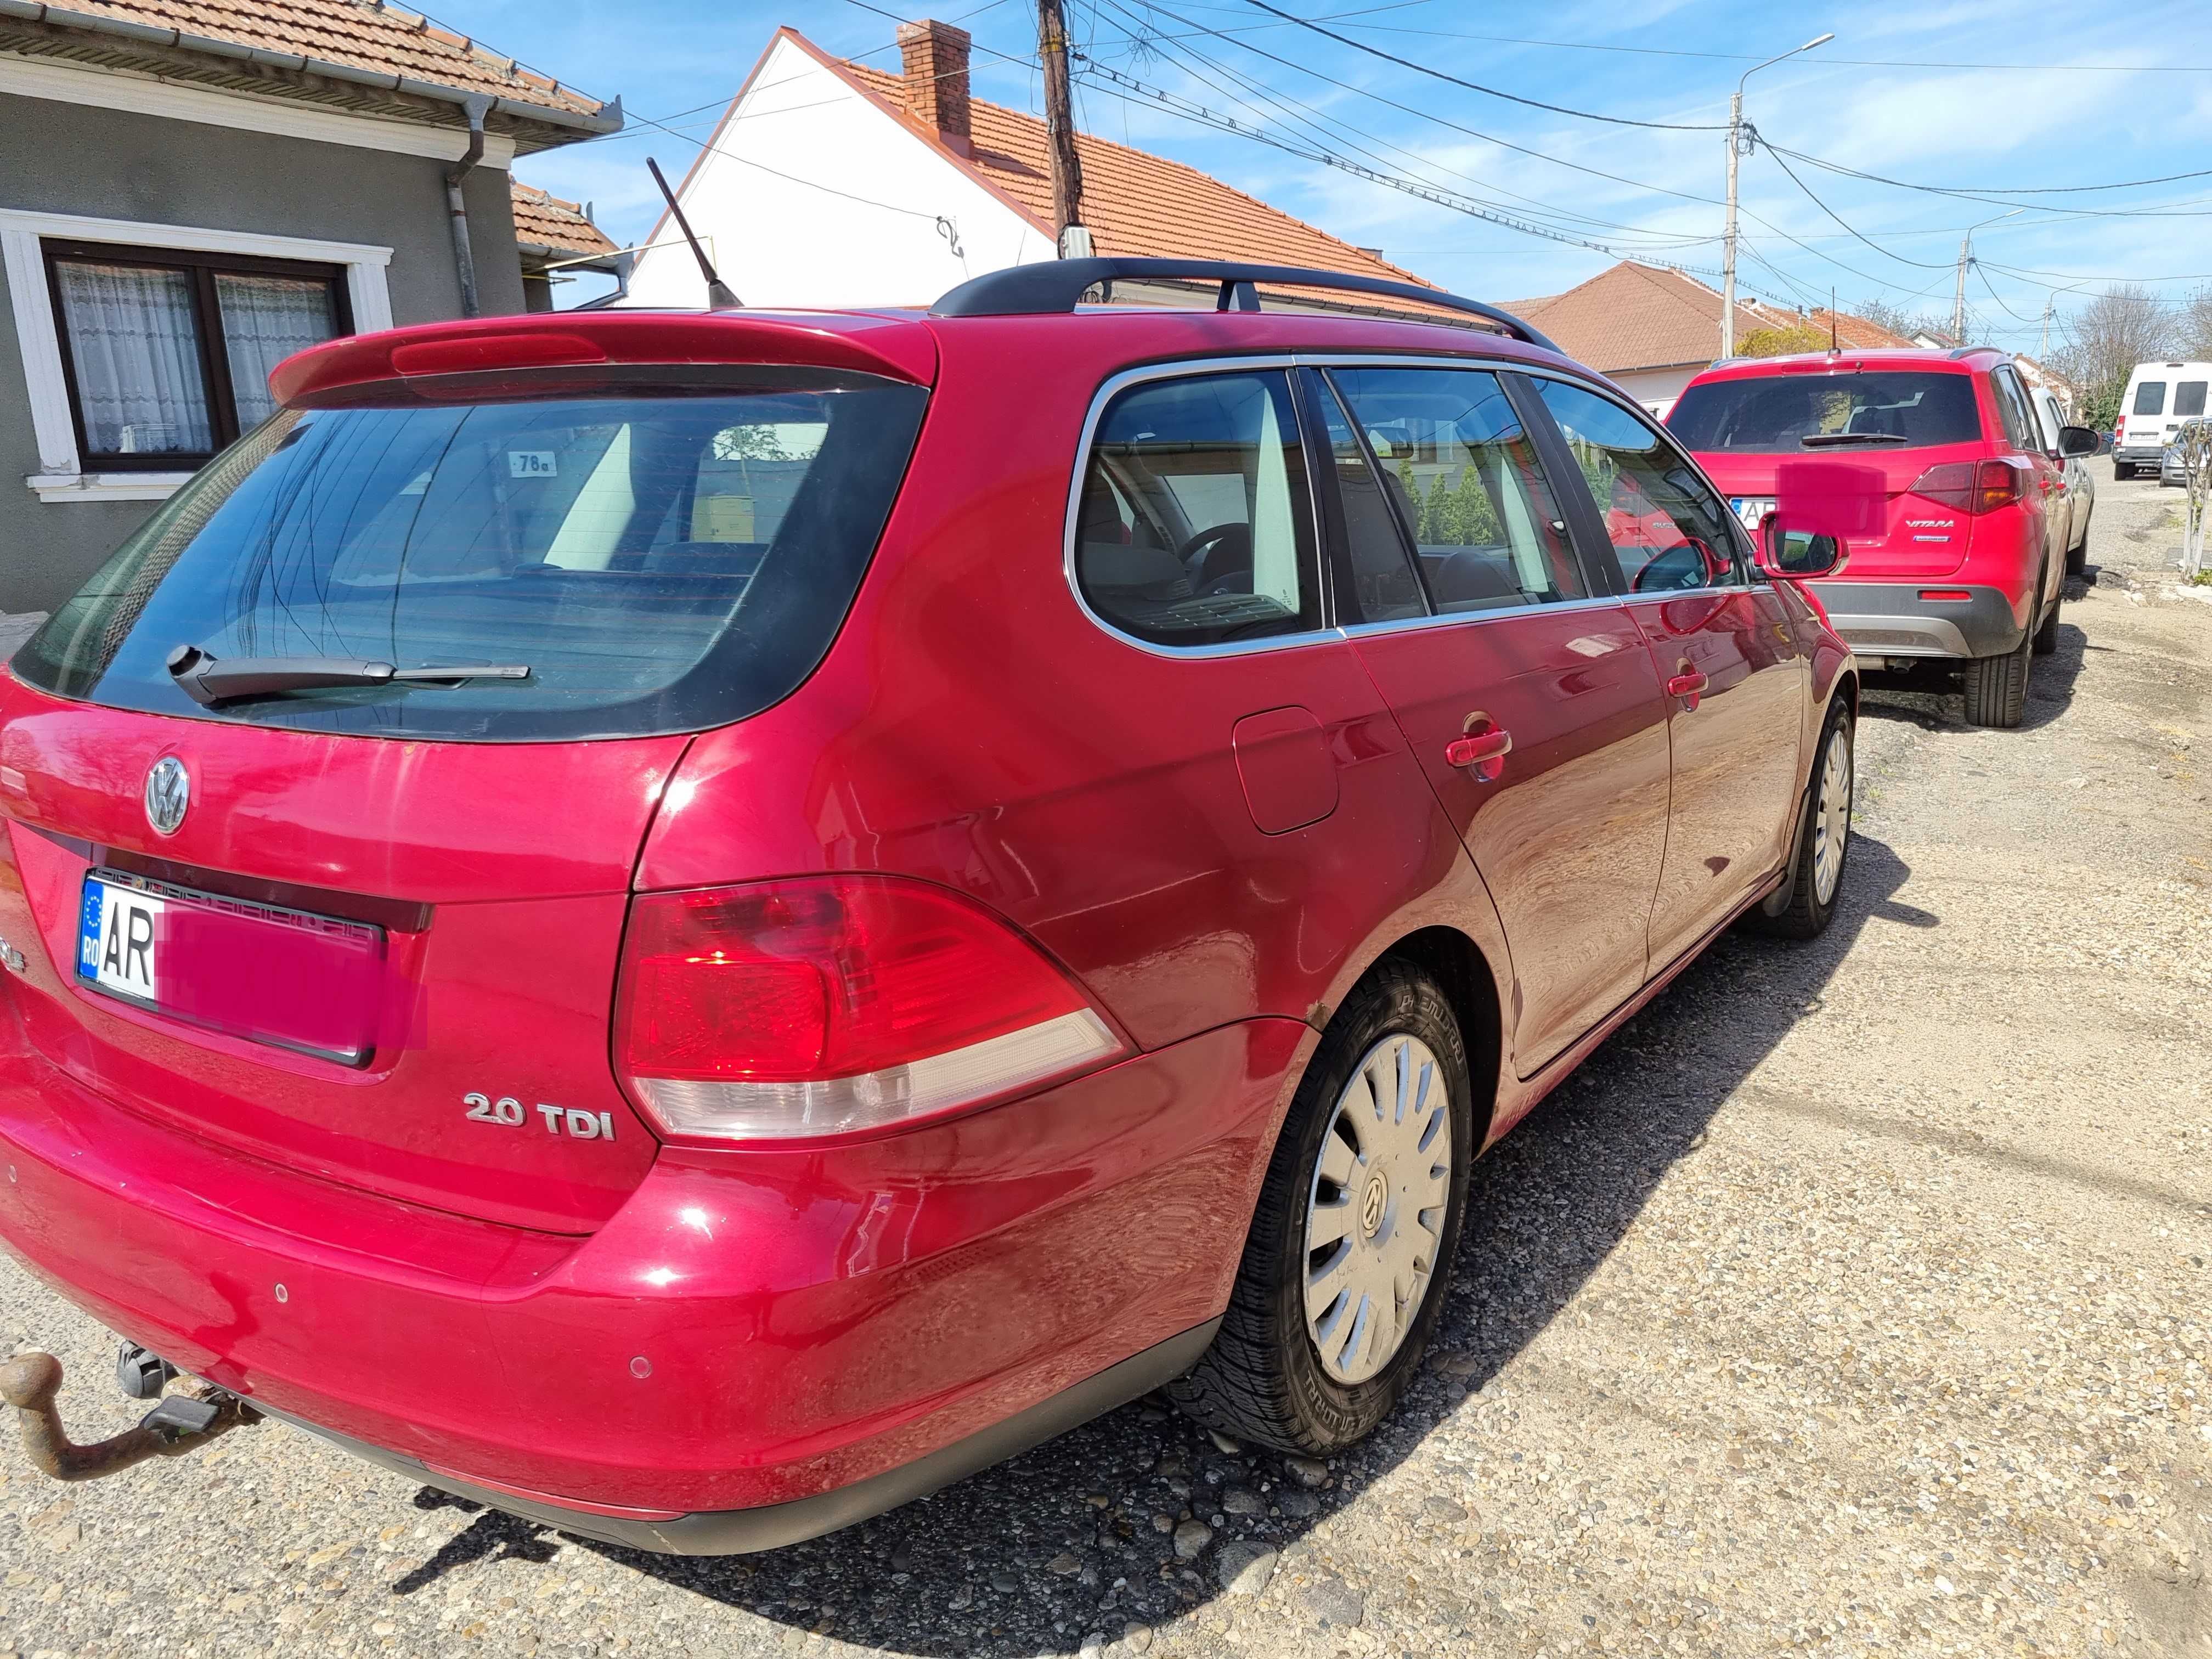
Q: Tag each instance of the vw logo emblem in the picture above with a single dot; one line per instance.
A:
(169, 792)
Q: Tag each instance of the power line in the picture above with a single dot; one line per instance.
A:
(1991, 193)
(1923, 264)
(1476, 86)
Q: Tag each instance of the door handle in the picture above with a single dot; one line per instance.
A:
(1689, 684)
(1480, 752)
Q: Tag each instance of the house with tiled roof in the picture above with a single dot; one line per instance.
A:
(830, 183)
(557, 242)
(1651, 327)
(199, 188)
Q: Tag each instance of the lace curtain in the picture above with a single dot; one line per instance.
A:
(264, 320)
(135, 344)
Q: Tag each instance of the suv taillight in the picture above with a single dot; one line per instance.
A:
(825, 1005)
(1970, 487)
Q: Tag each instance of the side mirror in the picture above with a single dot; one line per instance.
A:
(1793, 554)
(2075, 440)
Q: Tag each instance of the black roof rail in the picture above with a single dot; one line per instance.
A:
(1052, 285)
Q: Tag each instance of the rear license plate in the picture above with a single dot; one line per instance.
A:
(1751, 509)
(289, 978)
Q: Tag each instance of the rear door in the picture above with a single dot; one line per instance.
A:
(1903, 422)
(1726, 650)
(1530, 700)
(371, 931)
(2044, 489)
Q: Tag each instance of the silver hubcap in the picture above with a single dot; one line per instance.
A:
(1375, 1217)
(1831, 817)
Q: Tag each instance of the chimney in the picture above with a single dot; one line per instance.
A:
(934, 78)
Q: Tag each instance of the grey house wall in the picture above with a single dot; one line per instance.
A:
(66, 158)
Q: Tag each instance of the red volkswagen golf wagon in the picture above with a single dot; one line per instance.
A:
(693, 925)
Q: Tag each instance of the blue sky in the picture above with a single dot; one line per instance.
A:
(1904, 91)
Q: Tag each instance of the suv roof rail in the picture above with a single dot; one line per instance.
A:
(1051, 285)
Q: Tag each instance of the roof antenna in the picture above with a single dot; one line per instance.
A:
(1832, 347)
(719, 297)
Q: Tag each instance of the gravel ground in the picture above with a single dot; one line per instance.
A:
(1851, 1300)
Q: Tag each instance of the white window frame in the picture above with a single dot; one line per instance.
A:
(61, 476)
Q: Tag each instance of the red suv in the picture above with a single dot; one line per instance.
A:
(693, 925)
(1965, 560)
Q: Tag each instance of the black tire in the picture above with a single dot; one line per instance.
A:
(1262, 1380)
(2122, 472)
(2046, 633)
(1996, 687)
(1808, 913)
(2077, 556)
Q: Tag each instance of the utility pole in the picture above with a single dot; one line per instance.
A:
(1059, 124)
(1736, 146)
(2043, 343)
(1966, 259)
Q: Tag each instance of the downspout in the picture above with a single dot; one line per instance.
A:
(465, 261)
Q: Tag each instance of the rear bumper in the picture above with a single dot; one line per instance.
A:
(2140, 455)
(757, 1348)
(1890, 619)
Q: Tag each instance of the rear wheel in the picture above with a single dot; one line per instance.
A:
(2077, 556)
(1350, 1251)
(1823, 841)
(2121, 470)
(1996, 687)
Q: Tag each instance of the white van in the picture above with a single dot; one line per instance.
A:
(2160, 398)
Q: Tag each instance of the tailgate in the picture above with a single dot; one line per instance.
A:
(474, 893)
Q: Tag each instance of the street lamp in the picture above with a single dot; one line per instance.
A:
(1735, 150)
(1958, 303)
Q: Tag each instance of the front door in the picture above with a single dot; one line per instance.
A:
(1532, 704)
(1726, 654)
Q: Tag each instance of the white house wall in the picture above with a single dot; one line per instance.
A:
(813, 196)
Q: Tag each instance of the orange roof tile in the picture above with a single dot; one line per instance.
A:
(547, 221)
(1636, 316)
(357, 33)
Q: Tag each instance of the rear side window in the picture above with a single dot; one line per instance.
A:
(1196, 523)
(2012, 411)
(2150, 398)
(2188, 398)
(660, 560)
(1787, 414)
(1453, 450)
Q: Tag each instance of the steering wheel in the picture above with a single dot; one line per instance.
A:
(1679, 569)
(1218, 555)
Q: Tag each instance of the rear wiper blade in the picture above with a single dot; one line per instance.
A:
(208, 679)
(1827, 440)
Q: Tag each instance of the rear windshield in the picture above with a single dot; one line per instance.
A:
(2150, 397)
(2189, 398)
(1874, 410)
(661, 559)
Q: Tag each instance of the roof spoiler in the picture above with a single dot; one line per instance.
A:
(1052, 285)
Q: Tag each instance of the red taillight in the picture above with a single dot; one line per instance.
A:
(1973, 487)
(822, 1005)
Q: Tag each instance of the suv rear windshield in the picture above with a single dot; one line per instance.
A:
(1776, 413)
(661, 557)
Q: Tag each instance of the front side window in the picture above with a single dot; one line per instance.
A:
(1194, 526)
(2150, 398)
(659, 557)
(1668, 530)
(1486, 520)
(2187, 399)
(167, 354)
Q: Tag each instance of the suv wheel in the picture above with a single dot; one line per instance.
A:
(1823, 841)
(2077, 556)
(1996, 687)
(1350, 1252)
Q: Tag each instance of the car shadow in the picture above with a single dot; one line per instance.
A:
(1076, 1537)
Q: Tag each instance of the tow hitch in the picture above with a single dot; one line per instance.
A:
(184, 1422)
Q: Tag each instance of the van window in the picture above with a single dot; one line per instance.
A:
(1488, 521)
(2150, 397)
(2187, 399)
(1194, 526)
(660, 559)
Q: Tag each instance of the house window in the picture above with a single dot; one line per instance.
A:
(166, 354)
